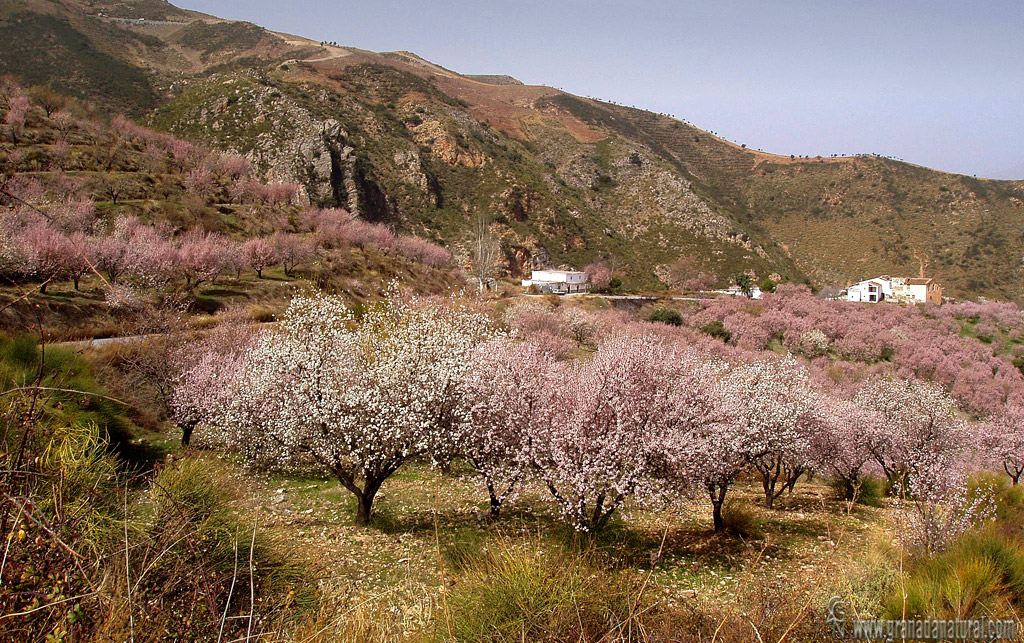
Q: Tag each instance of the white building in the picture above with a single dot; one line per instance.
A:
(736, 291)
(899, 289)
(872, 290)
(923, 289)
(558, 282)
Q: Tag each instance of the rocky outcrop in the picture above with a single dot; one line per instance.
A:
(445, 146)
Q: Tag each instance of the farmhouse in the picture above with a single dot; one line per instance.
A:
(558, 282)
(897, 289)
(736, 291)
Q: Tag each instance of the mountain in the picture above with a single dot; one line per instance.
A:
(563, 180)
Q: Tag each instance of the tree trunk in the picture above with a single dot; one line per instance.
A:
(716, 515)
(259, 273)
(770, 474)
(600, 516)
(769, 491)
(76, 279)
(717, 500)
(793, 475)
(42, 288)
(1015, 474)
(186, 433)
(495, 501)
(364, 504)
(364, 500)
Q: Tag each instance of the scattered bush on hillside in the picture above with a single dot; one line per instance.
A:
(717, 330)
(666, 316)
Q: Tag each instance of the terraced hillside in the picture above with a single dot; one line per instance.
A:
(99, 221)
(562, 180)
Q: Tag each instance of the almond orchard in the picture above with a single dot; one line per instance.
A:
(382, 449)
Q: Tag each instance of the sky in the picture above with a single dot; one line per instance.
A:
(938, 83)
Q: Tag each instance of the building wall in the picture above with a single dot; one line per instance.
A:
(560, 276)
(863, 292)
(918, 292)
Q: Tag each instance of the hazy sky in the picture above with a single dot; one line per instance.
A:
(934, 82)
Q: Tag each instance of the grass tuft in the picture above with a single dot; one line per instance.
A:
(531, 591)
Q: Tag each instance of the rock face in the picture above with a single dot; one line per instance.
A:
(445, 146)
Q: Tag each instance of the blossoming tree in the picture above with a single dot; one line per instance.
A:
(705, 446)
(1003, 438)
(918, 421)
(357, 397)
(841, 447)
(509, 389)
(779, 408)
(598, 437)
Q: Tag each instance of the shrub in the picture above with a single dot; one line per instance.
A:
(870, 494)
(198, 537)
(717, 330)
(531, 593)
(982, 575)
(666, 316)
(22, 350)
(261, 314)
(77, 500)
(740, 519)
(872, 578)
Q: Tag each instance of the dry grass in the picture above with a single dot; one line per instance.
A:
(384, 583)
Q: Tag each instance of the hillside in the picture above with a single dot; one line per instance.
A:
(562, 180)
(101, 221)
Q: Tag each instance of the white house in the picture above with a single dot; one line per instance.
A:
(872, 290)
(923, 289)
(558, 282)
(899, 289)
(736, 291)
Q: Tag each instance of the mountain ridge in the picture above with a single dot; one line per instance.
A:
(562, 179)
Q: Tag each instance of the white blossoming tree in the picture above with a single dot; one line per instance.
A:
(357, 397)
(918, 421)
(779, 408)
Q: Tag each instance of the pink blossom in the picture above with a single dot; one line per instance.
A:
(259, 254)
